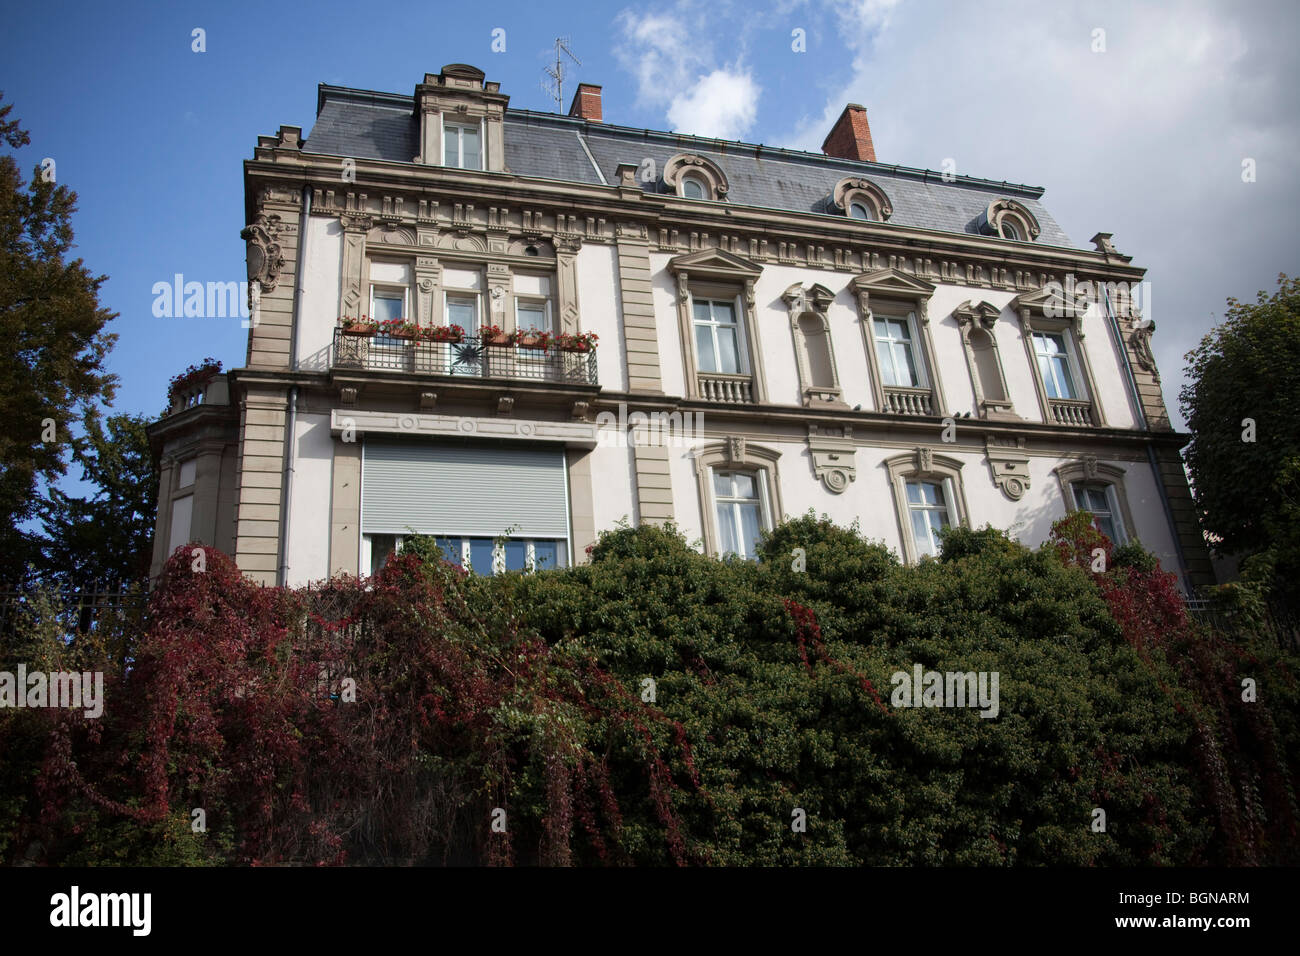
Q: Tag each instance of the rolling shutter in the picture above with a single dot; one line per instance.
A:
(463, 489)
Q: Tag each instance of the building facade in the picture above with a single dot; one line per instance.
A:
(777, 331)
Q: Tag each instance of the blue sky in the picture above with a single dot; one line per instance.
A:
(1144, 138)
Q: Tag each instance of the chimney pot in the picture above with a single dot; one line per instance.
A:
(850, 137)
(586, 103)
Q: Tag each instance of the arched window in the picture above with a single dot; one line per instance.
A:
(739, 496)
(861, 199)
(928, 497)
(1008, 219)
(693, 188)
(1009, 230)
(1098, 488)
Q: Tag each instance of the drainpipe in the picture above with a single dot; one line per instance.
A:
(291, 425)
(1131, 382)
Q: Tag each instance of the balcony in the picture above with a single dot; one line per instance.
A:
(728, 389)
(469, 358)
(907, 401)
(1071, 411)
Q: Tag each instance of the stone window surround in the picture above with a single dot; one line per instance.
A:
(736, 454)
(1030, 308)
(426, 297)
(923, 465)
(812, 301)
(1017, 214)
(895, 293)
(718, 274)
(705, 170)
(984, 317)
(460, 95)
(1091, 471)
(855, 189)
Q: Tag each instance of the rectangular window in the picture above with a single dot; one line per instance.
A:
(741, 511)
(1101, 501)
(182, 512)
(1054, 365)
(483, 556)
(928, 505)
(387, 305)
(462, 310)
(718, 337)
(896, 350)
(461, 146)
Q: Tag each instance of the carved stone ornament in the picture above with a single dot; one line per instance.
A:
(1090, 467)
(1140, 339)
(924, 460)
(265, 259)
(833, 459)
(1010, 467)
(736, 450)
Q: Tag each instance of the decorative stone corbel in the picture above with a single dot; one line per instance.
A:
(924, 460)
(506, 405)
(265, 257)
(428, 401)
(833, 458)
(1009, 466)
(735, 450)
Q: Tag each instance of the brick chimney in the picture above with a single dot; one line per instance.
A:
(850, 137)
(586, 103)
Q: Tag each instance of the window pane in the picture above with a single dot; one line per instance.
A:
(905, 366)
(921, 533)
(516, 555)
(531, 315)
(728, 350)
(692, 189)
(461, 310)
(469, 148)
(450, 548)
(545, 555)
(722, 484)
(885, 354)
(728, 531)
(704, 348)
(451, 150)
(387, 307)
(743, 486)
(723, 312)
(480, 555)
(381, 549)
(859, 211)
(1064, 382)
(749, 528)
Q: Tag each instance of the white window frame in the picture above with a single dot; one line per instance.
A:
(1071, 363)
(949, 507)
(914, 343)
(387, 289)
(460, 144)
(742, 341)
(1112, 502)
(759, 477)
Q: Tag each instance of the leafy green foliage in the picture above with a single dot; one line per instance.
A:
(656, 706)
(52, 365)
(1247, 490)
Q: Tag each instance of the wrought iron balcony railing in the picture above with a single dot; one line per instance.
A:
(469, 358)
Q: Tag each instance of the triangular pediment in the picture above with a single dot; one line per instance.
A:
(893, 282)
(716, 262)
(1050, 296)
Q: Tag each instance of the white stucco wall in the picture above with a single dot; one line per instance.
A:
(613, 486)
(308, 542)
(601, 309)
(320, 307)
(664, 290)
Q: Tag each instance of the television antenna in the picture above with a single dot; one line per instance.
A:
(554, 84)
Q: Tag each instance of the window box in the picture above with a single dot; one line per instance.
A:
(451, 334)
(494, 335)
(576, 341)
(362, 326)
(533, 339)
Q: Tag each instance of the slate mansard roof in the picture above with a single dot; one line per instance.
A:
(366, 125)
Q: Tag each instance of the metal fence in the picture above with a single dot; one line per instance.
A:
(470, 358)
(77, 611)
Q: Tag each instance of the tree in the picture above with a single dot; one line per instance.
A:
(107, 538)
(1242, 404)
(52, 363)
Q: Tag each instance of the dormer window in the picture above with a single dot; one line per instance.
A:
(1008, 219)
(861, 199)
(694, 177)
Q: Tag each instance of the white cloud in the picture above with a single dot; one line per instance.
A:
(676, 71)
(1144, 140)
(723, 105)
